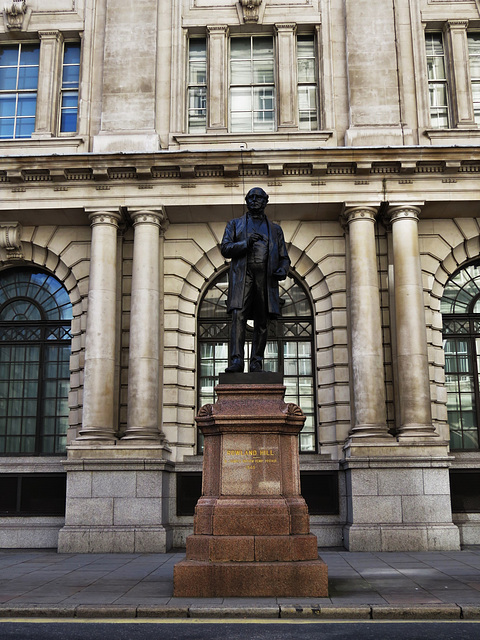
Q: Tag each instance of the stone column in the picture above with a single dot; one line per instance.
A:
(456, 33)
(49, 79)
(411, 337)
(98, 389)
(217, 73)
(287, 77)
(143, 361)
(365, 317)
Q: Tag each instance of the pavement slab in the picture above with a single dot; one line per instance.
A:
(397, 585)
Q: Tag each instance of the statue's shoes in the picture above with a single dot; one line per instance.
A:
(256, 367)
(235, 367)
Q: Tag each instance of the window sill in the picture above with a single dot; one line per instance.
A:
(43, 146)
(441, 137)
(465, 459)
(35, 464)
(270, 140)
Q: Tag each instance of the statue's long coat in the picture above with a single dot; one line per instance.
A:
(234, 246)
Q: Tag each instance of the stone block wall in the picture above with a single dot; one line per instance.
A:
(399, 504)
(115, 506)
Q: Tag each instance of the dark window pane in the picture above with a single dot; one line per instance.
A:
(8, 494)
(320, 490)
(9, 55)
(7, 105)
(30, 54)
(43, 495)
(25, 128)
(464, 491)
(27, 78)
(8, 78)
(27, 103)
(6, 128)
(71, 53)
(70, 76)
(189, 490)
(68, 121)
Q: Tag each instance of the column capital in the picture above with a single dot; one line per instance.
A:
(353, 212)
(157, 217)
(104, 216)
(460, 25)
(409, 211)
(286, 26)
(217, 29)
(51, 34)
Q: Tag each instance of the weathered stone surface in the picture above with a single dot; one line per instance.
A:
(255, 579)
(251, 524)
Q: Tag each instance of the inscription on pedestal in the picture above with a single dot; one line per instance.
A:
(250, 465)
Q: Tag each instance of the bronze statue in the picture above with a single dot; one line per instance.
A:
(259, 260)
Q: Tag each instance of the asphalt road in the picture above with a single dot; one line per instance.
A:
(259, 630)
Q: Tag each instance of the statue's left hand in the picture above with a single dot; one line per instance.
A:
(280, 274)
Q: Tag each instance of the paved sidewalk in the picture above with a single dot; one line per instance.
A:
(361, 585)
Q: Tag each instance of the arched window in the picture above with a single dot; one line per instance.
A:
(289, 348)
(460, 307)
(35, 319)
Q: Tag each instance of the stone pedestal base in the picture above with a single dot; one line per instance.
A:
(114, 539)
(117, 501)
(251, 527)
(399, 499)
(193, 578)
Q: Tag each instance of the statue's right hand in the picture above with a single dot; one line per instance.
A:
(254, 238)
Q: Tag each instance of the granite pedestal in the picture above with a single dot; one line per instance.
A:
(251, 528)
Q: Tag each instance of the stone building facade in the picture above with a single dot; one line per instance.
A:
(129, 135)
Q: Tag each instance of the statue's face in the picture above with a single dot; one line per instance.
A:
(256, 200)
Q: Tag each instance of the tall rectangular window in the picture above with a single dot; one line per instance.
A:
(252, 84)
(18, 89)
(307, 85)
(197, 85)
(474, 57)
(70, 85)
(437, 81)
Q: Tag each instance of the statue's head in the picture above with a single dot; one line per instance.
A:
(256, 199)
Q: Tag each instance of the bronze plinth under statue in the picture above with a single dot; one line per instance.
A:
(251, 527)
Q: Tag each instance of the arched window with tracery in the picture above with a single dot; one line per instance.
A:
(460, 308)
(289, 348)
(35, 338)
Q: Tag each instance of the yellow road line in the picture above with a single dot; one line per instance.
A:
(223, 621)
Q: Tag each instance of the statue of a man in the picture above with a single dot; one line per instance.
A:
(259, 260)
